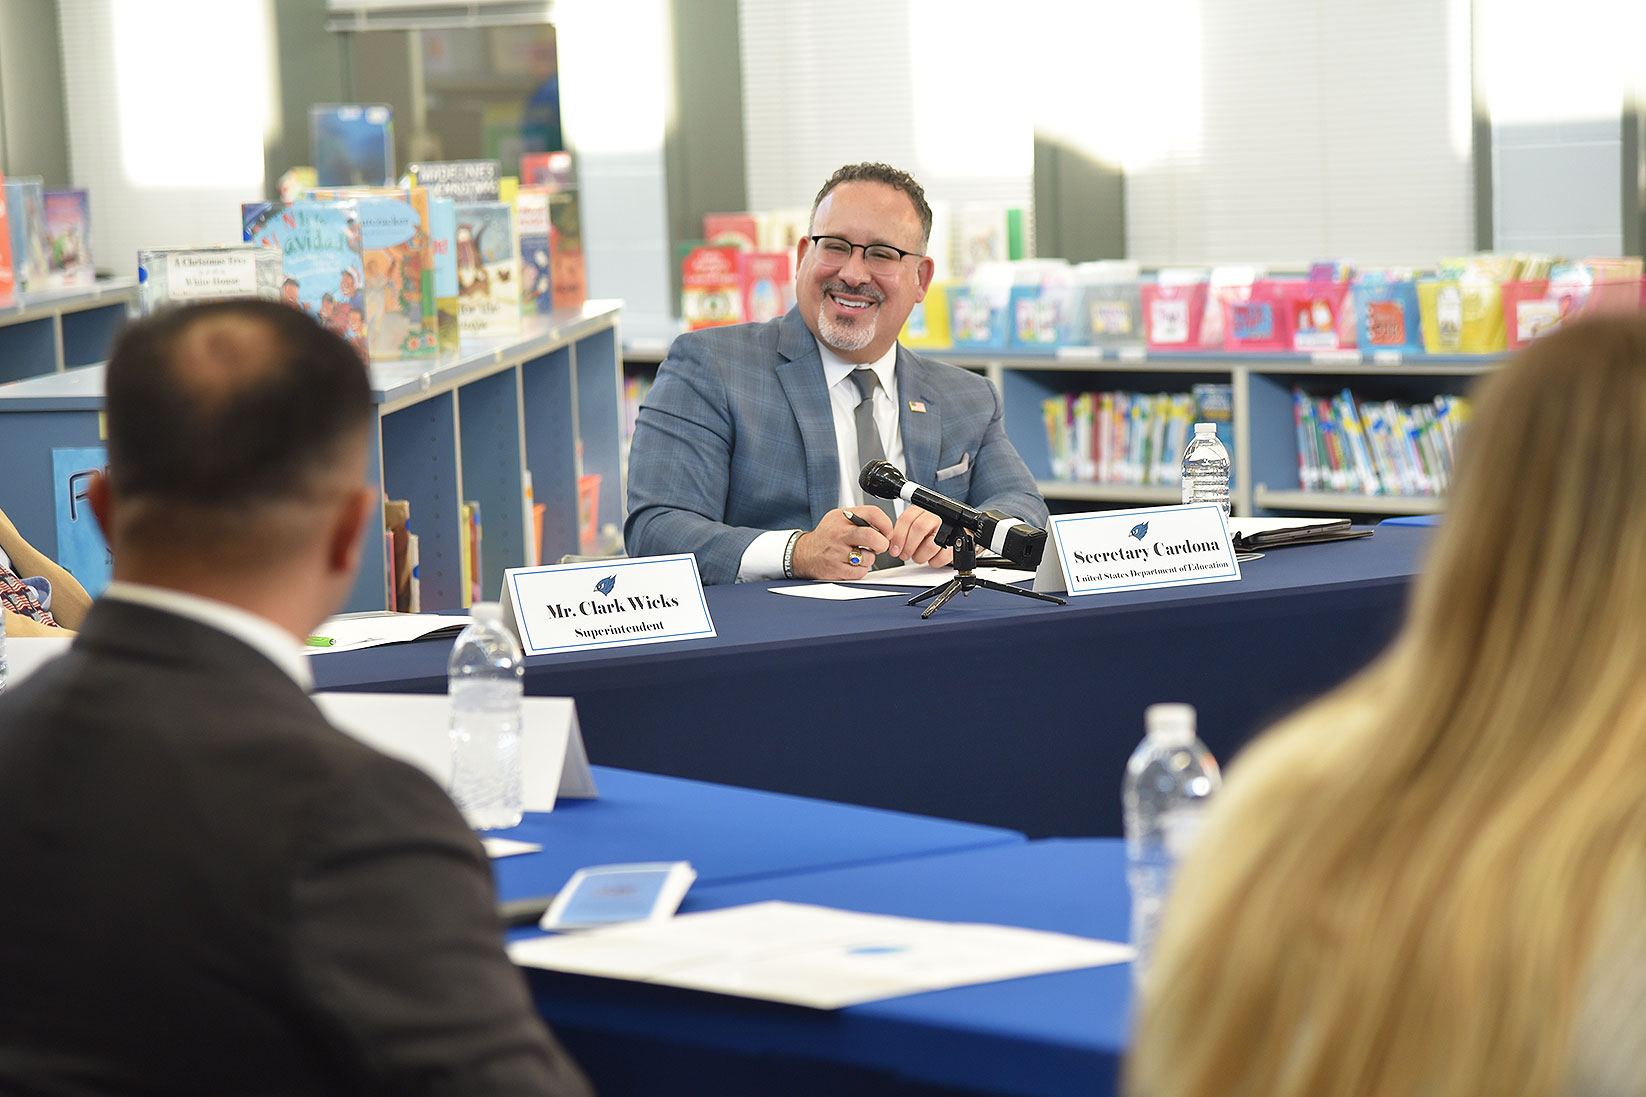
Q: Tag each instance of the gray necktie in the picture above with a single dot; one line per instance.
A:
(869, 447)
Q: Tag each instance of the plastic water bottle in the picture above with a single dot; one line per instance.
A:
(1168, 779)
(1206, 468)
(484, 681)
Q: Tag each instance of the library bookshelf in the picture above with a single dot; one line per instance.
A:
(1265, 453)
(466, 427)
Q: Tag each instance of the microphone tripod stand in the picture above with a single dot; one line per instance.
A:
(964, 582)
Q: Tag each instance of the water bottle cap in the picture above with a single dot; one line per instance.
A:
(1170, 723)
(486, 611)
(1205, 428)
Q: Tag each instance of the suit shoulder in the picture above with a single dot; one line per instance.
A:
(725, 343)
(947, 377)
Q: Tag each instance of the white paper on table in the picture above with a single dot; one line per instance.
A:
(832, 592)
(363, 630)
(813, 956)
(26, 654)
(415, 727)
(924, 575)
(507, 847)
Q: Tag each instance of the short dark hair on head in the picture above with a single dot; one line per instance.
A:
(891, 177)
(230, 404)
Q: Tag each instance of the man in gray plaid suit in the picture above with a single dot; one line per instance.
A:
(747, 448)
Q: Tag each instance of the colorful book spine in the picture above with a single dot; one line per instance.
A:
(443, 256)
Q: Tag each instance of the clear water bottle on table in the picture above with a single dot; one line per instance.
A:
(1168, 780)
(484, 679)
(1206, 468)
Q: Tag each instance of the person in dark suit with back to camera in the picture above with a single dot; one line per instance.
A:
(748, 446)
(208, 889)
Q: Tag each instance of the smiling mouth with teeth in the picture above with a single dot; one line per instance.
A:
(859, 299)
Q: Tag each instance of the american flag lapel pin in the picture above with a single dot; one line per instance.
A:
(918, 405)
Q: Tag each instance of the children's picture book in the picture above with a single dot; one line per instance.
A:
(175, 275)
(459, 180)
(768, 285)
(531, 207)
(8, 280)
(488, 270)
(353, 144)
(68, 239)
(711, 288)
(568, 267)
(321, 260)
(26, 217)
(394, 240)
(443, 249)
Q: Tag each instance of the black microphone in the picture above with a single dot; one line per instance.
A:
(1016, 540)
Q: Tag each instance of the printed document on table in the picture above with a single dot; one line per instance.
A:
(363, 630)
(813, 956)
(924, 575)
(833, 592)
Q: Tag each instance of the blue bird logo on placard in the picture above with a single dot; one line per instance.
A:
(605, 585)
(1141, 530)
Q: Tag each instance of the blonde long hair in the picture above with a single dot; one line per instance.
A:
(1402, 888)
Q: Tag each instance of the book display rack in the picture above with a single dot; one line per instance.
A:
(50, 330)
(465, 428)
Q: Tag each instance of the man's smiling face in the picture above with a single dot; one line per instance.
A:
(854, 310)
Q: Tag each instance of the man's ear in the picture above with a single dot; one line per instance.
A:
(99, 496)
(343, 550)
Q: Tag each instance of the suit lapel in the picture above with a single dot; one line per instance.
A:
(801, 375)
(922, 430)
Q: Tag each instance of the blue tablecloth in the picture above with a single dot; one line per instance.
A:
(998, 709)
(1058, 1035)
(730, 835)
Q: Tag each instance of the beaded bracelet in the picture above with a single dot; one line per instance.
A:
(788, 555)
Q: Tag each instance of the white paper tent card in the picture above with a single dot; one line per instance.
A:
(414, 727)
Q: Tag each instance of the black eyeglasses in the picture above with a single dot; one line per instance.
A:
(833, 251)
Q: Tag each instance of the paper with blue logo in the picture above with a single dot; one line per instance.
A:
(81, 549)
(1134, 549)
(606, 603)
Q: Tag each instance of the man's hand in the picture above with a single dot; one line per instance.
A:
(914, 538)
(827, 552)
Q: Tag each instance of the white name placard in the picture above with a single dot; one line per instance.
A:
(606, 603)
(415, 727)
(1132, 549)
